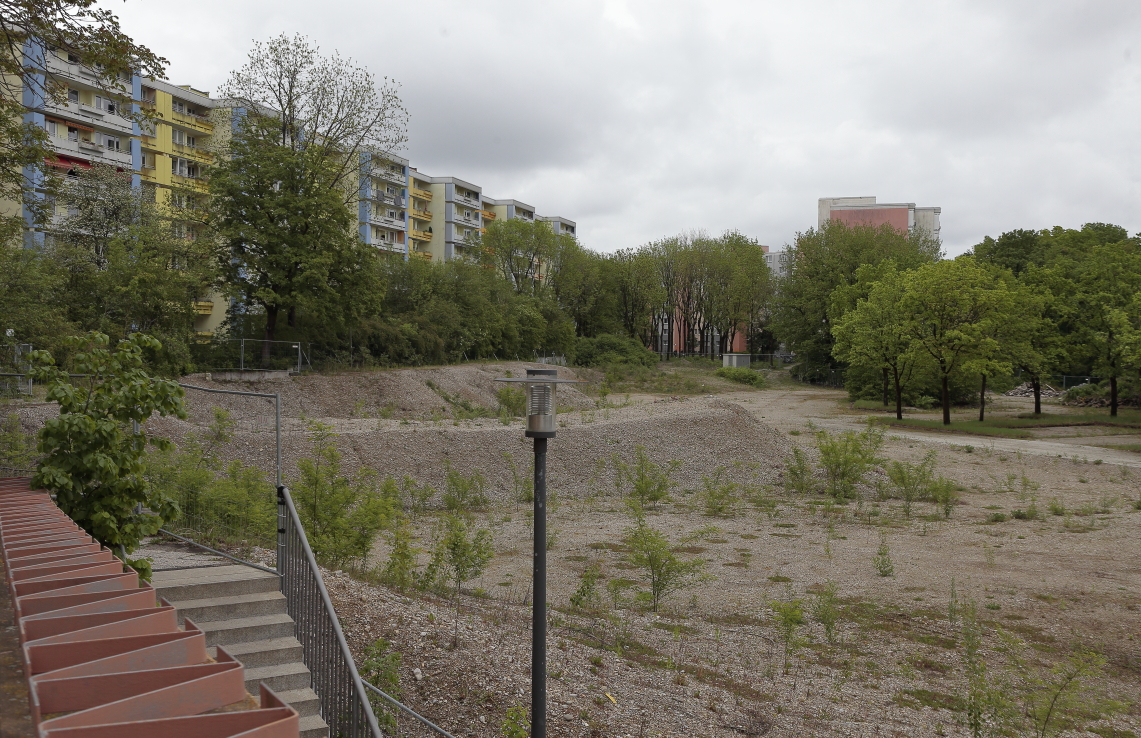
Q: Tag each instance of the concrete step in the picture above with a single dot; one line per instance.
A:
(228, 608)
(213, 581)
(279, 677)
(244, 630)
(305, 701)
(313, 726)
(265, 653)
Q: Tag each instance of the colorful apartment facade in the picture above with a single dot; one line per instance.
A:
(399, 209)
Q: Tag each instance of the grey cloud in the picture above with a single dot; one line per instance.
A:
(639, 119)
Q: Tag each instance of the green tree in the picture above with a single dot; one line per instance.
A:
(342, 515)
(1016, 250)
(819, 261)
(464, 555)
(330, 112)
(1102, 308)
(289, 241)
(876, 332)
(953, 305)
(661, 568)
(637, 292)
(400, 569)
(92, 458)
(121, 267)
(30, 31)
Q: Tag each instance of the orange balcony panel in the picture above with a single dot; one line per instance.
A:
(487, 214)
(422, 194)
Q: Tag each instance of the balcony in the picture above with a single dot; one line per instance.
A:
(469, 201)
(197, 122)
(487, 214)
(192, 152)
(423, 255)
(422, 194)
(192, 183)
(419, 235)
(390, 176)
(421, 214)
(203, 307)
(386, 222)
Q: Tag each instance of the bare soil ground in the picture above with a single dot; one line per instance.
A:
(712, 661)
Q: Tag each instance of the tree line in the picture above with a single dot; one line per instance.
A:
(903, 321)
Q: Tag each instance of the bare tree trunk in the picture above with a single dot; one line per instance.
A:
(946, 397)
(270, 331)
(1036, 383)
(982, 399)
(885, 386)
(898, 396)
(1113, 396)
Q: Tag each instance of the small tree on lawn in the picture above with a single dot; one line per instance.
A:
(93, 460)
(661, 568)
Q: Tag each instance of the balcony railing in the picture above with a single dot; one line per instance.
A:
(201, 122)
(467, 200)
(419, 235)
(422, 194)
(421, 214)
(203, 307)
(193, 152)
(389, 175)
(384, 220)
(487, 214)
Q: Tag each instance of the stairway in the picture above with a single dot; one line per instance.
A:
(241, 608)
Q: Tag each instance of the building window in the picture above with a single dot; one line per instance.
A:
(185, 168)
(104, 103)
(148, 160)
(73, 96)
(111, 143)
(72, 134)
(182, 139)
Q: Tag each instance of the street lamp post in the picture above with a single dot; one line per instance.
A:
(540, 385)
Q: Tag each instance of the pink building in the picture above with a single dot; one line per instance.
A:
(903, 216)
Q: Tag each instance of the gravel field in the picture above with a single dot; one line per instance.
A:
(712, 662)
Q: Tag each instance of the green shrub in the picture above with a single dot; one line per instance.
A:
(847, 457)
(610, 349)
(741, 375)
(464, 494)
(512, 402)
(799, 476)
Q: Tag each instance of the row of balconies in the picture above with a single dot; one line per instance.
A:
(470, 201)
(90, 115)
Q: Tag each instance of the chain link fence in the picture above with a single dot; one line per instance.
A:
(244, 354)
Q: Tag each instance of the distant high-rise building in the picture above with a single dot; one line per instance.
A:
(903, 216)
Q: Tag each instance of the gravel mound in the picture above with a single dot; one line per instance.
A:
(703, 434)
(1027, 390)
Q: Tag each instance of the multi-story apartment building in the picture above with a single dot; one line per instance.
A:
(903, 216)
(383, 206)
(175, 152)
(400, 209)
(90, 125)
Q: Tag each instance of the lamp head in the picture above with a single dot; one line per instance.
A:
(540, 385)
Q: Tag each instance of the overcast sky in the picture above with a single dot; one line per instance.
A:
(640, 120)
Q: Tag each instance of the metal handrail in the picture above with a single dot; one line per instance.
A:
(409, 710)
(348, 713)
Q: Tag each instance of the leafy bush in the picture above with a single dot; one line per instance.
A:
(799, 476)
(381, 668)
(847, 457)
(648, 482)
(512, 402)
(93, 460)
(661, 569)
(342, 515)
(742, 375)
(464, 494)
(610, 349)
